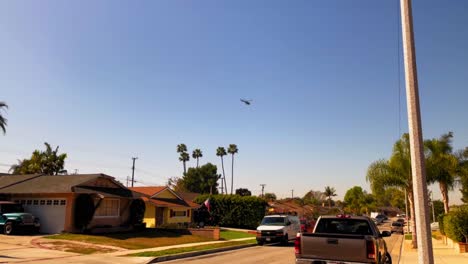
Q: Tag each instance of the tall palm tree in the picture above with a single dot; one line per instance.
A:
(442, 165)
(196, 154)
(184, 156)
(220, 152)
(329, 192)
(232, 149)
(395, 172)
(3, 120)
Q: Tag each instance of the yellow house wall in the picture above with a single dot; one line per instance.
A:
(150, 213)
(166, 194)
(177, 219)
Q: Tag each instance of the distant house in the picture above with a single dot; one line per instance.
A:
(54, 200)
(165, 206)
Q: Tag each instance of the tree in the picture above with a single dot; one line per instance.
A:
(220, 152)
(184, 156)
(463, 173)
(232, 149)
(201, 180)
(3, 120)
(176, 184)
(47, 162)
(358, 201)
(196, 154)
(395, 172)
(329, 192)
(243, 192)
(441, 165)
(314, 197)
(270, 196)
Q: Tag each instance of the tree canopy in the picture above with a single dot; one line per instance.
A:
(359, 201)
(270, 196)
(243, 192)
(3, 120)
(203, 179)
(48, 162)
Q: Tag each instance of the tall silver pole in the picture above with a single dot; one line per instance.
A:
(425, 253)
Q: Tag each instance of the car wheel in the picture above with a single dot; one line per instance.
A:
(8, 228)
(260, 242)
(388, 258)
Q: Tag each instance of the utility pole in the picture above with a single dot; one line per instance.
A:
(406, 211)
(418, 168)
(292, 194)
(263, 188)
(133, 170)
(433, 211)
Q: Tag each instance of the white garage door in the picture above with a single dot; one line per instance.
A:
(51, 212)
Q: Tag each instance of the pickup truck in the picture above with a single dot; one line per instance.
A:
(342, 239)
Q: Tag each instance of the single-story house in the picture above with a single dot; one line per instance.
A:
(165, 206)
(58, 201)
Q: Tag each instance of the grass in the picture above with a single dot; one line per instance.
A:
(228, 234)
(80, 249)
(191, 249)
(136, 240)
(435, 235)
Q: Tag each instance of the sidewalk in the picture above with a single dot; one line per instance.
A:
(442, 254)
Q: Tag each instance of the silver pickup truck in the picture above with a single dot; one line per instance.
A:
(342, 239)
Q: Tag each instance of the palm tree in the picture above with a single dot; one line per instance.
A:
(329, 192)
(184, 156)
(395, 172)
(196, 154)
(232, 149)
(442, 165)
(3, 120)
(220, 152)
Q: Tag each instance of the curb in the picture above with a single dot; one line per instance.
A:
(198, 253)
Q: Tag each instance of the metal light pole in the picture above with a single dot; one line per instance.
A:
(425, 253)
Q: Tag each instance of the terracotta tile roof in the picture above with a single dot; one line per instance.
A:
(150, 190)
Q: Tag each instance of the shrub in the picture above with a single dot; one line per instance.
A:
(456, 224)
(235, 210)
(440, 218)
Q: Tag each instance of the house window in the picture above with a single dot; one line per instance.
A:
(49, 202)
(178, 213)
(29, 202)
(56, 202)
(63, 202)
(108, 208)
(42, 202)
(35, 202)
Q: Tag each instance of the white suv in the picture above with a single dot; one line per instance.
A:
(278, 228)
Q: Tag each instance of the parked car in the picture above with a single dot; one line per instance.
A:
(13, 219)
(401, 220)
(434, 226)
(278, 228)
(397, 227)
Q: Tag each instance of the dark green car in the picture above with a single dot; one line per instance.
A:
(13, 219)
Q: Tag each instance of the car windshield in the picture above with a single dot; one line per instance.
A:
(12, 208)
(273, 221)
(396, 224)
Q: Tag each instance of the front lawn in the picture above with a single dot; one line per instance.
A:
(136, 240)
(228, 234)
(191, 249)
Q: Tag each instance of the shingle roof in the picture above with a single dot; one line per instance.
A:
(46, 183)
(150, 190)
(188, 196)
(7, 180)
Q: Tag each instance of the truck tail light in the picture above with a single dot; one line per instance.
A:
(370, 245)
(297, 244)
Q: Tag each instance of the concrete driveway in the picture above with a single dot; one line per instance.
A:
(20, 249)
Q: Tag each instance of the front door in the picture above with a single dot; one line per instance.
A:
(159, 216)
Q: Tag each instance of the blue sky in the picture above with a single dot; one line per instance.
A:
(109, 80)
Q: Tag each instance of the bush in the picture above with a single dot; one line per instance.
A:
(235, 210)
(456, 224)
(440, 218)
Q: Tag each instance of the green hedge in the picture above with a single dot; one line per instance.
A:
(455, 224)
(235, 210)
